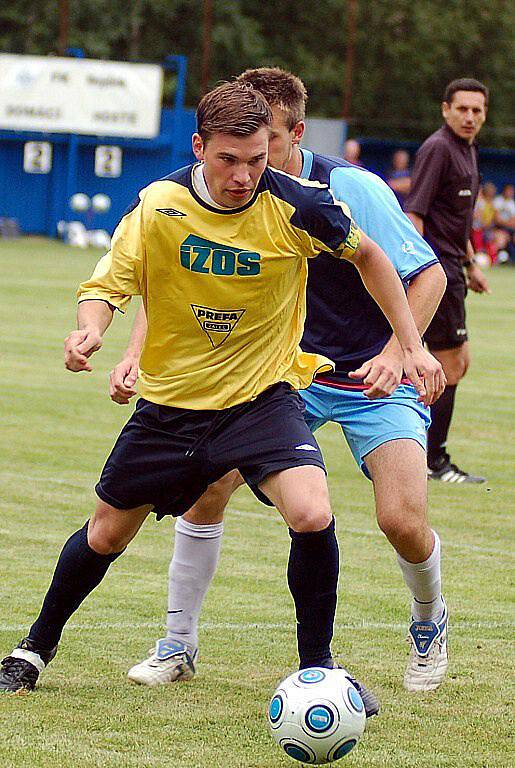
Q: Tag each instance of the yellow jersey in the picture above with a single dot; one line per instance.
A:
(223, 289)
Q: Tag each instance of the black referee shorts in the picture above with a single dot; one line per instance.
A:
(447, 329)
(167, 456)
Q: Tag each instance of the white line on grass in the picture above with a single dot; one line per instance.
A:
(275, 518)
(376, 534)
(261, 626)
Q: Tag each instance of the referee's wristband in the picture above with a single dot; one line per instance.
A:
(468, 263)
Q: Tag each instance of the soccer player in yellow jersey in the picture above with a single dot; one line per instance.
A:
(218, 252)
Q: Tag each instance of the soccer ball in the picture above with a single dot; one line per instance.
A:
(79, 202)
(101, 203)
(316, 715)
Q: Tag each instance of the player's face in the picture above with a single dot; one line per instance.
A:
(465, 114)
(283, 140)
(233, 165)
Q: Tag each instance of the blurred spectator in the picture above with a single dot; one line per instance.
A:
(487, 237)
(399, 178)
(352, 151)
(504, 205)
(482, 235)
(504, 219)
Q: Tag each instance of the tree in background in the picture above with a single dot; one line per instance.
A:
(405, 52)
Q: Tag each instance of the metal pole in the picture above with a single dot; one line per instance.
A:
(349, 57)
(207, 27)
(64, 27)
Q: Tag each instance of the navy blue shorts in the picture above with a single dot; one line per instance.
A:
(167, 456)
(448, 329)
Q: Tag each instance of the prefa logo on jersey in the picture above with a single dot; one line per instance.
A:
(217, 324)
(208, 258)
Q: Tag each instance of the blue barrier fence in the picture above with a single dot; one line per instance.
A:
(39, 200)
(497, 165)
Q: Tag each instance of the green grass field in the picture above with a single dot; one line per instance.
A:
(56, 430)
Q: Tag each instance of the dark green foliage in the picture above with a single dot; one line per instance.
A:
(405, 52)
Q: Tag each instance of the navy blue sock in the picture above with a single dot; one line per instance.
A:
(78, 571)
(313, 579)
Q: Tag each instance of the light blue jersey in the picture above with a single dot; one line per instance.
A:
(344, 322)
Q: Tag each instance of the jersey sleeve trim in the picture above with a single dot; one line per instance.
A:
(350, 244)
(101, 298)
(420, 269)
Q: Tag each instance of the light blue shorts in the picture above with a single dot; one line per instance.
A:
(367, 424)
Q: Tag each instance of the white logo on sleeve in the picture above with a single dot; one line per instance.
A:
(408, 247)
(305, 447)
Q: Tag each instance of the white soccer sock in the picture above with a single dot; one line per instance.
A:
(425, 584)
(193, 565)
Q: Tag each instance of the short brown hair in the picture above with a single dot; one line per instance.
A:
(234, 108)
(465, 84)
(281, 89)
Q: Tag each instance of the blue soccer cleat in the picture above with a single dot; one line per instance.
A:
(428, 660)
(171, 660)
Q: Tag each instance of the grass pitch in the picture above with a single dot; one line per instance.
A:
(56, 430)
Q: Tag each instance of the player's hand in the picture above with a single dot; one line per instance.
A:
(122, 381)
(476, 280)
(382, 374)
(78, 347)
(426, 374)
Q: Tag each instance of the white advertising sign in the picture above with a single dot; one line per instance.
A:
(60, 95)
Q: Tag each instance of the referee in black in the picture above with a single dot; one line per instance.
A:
(444, 187)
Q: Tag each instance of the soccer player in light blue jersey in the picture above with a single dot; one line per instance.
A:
(381, 417)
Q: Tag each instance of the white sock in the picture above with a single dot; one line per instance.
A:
(425, 584)
(193, 565)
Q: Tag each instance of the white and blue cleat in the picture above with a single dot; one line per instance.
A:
(168, 662)
(428, 660)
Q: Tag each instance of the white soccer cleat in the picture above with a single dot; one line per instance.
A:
(428, 660)
(168, 662)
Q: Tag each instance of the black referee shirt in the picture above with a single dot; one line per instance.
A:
(444, 187)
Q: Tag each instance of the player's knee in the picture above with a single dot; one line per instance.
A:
(105, 536)
(316, 517)
(209, 509)
(458, 366)
(403, 525)
(223, 489)
(464, 363)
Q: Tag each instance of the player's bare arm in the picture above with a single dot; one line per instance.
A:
(476, 280)
(123, 377)
(384, 285)
(93, 318)
(417, 221)
(385, 370)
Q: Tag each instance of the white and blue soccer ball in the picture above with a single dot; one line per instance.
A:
(316, 715)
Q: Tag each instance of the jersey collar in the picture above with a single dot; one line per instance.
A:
(223, 211)
(307, 163)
